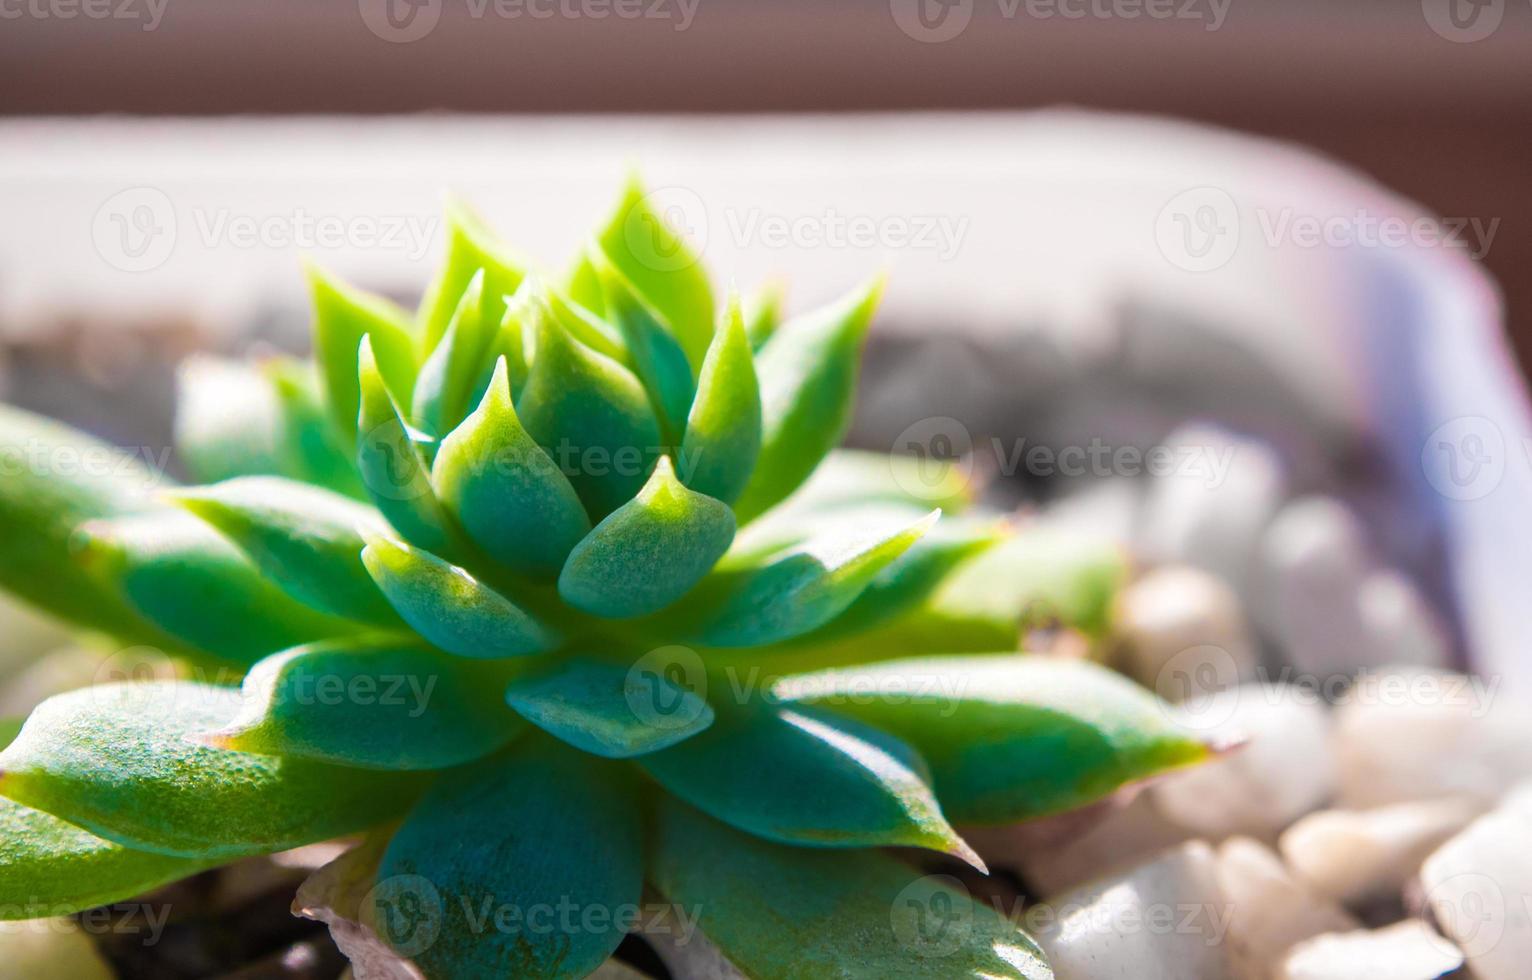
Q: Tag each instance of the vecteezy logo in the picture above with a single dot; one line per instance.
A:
(1464, 459)
(406, 910)
(667, 687)
(1198, 229)
(656, 225)
(932, 916)
(931, 21)
(400, 21)
(135, 230)
(939, 446)
(1463, 21)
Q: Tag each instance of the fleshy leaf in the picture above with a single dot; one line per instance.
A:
(582, 284)
(192, 583)
(723, 431)
(471, 248)
(607, 710)
(314, 452)
(800, 589)
(808, 381)
(779, 911)
(392, 467)
(119, 761)
(592, 416)
(451, 608)
(657, 357)
(531, 833)
(55, 479)
(583, 325)
(505, 490)
(1010, 737)
(857, 478)
(445, 388)
(305, 539)
(662, 266)
(343, 315)
(649, 552)
(803, 776)
(763, 314)
(377, 703)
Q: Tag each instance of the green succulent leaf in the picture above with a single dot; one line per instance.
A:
(56, 478)
(723, 431)
(608, 710)
(763, 314)
(504, 489)
(581, 324)
(662, 266)
(855, 478)
(392, 467)
(506, 848)
(592, 416)
(803, 776)
(808, 381)
(184, 577)
(471, 249)
(582, 284)
(444, 391)
(375, 703)
(1010, 737)
(119, 760)
(343, 315)
(800, 589)
(448, 606)
(657, 357)
(649, 552)
(800, 914)
(305, 539)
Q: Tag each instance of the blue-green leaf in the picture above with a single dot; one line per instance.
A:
(471, 248)
(451, 608)
(649, 552)
(505, 491)
(808, 382)
(592, 416)
(802, 776)
(530, 861)
(391, 464)
(723, 431)
(184, 577)
(305, 539)
(657, 357)
(1010, 737)
(777, 911)
(445, 388)
(119, 760)
(343, 315)
(56, 478)
(641, 243)
(607, 710)
(800, 589)
(375, 703)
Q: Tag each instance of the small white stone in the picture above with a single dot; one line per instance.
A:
(1272, 910)
(1105, 509)
(1282, 772)
(1181, 632)
(1403, 951)
(1314, 561)
(1478, 887)
(1162, 920)
(1414, 734)
(1401, 626)
(1354, 856)
(1212, 508)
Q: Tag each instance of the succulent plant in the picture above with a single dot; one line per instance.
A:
(540, 591)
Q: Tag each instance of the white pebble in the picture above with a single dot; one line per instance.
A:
(1478, 887)
(1272, 910)
(1403, 951)
(1182, 633)
(1411, 734)
(1401, 626)
(1162, 920)
(1282, 772)
(1354, 856)
(1314, 560)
